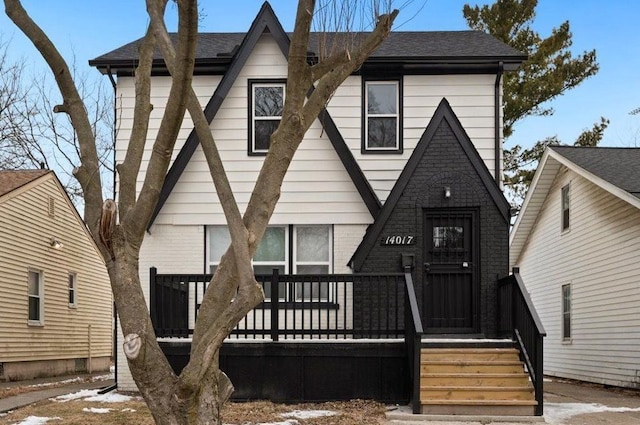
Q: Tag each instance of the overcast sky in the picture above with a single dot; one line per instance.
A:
(90, 28)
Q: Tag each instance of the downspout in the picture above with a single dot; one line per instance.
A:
(115, 310)
(497, 104)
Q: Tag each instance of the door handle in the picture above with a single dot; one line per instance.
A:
(427, 267)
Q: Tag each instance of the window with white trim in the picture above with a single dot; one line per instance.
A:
(566, 312)
(265, 112)
(311, 253)
(382, 118)
(565, 201)
(73, 293)
(35, 293)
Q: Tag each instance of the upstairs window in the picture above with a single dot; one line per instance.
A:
(382, 118)
(566, 312)
(265, 112)
(73, 295)
(565, 207)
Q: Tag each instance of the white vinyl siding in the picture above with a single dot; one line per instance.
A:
(599, 256)
(470, 96)
(25, 245)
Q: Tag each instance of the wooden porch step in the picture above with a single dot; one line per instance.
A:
(470, 354)
(476, 379)
(461, 366)
(476, 393)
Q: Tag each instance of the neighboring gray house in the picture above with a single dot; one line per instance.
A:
(577, 243)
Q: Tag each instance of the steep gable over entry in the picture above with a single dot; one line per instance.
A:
(459, 242)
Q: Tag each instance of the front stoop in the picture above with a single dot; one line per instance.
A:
(475, 381)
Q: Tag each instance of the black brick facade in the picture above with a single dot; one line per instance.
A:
(445, 163)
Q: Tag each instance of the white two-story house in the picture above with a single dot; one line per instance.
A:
(400, 173)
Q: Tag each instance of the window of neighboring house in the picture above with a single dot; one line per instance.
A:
(265, 112)
(566, 312)
(35, 289)
(311, 248)
(382, 118)
(565, 207)
(73, 294)
(312, 255)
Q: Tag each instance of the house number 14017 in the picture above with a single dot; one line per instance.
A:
(398, 240)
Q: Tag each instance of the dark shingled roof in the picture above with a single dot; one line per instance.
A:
(399, 46)
(12, 179)
(618, 166)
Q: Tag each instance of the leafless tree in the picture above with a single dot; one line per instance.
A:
(196, 395)
(33, 135)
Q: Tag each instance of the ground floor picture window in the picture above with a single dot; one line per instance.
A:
(293, 249)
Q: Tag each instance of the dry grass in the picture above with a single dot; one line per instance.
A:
(355, 412)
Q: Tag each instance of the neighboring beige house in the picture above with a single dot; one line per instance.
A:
(577, 243)
(56, 313)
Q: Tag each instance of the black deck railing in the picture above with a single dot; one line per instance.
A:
(413, 340)
(329, 306)
(519, 320)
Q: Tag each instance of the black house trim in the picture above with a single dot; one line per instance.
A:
(265, 21)
(443, 112)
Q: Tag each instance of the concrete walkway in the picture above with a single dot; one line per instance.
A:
(21, 400)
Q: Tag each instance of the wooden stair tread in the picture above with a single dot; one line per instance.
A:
(470, 350)
(481, 402)
(473, 387)
(470, 362)
(473, 375)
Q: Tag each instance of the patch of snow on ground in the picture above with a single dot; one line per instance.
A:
(112, 369)
(128, 409)
(48, 384)
(288, 422)
(556, 413)
(110, 397)
(97, 410)
(92, 395)
(308, 414)
(75, 396)
(101, 377)
(36, 420)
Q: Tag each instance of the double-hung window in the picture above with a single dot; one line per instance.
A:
(382, 118)
(309, 247)
(565, 201)
(35, 291)
(566, 312)
(265, 112)
(312, 255)
(73, 290)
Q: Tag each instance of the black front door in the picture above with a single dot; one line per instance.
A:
(450, 272)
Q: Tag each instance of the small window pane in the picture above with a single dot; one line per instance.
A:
(381, 98)
(34, 284)
(262, 133)
(312, 244)
(272, 245)
(34, 308)
(566, 311)
(219, 241)
(268, 101)
(72, 289)
(565, 207)
(448, 237)
(381, 132)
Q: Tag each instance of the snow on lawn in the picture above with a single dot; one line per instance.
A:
(48, 384)
(556, 413)
(308, 414)
(36, 420)
(288, 422)
(96, 410)
(92, 395)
